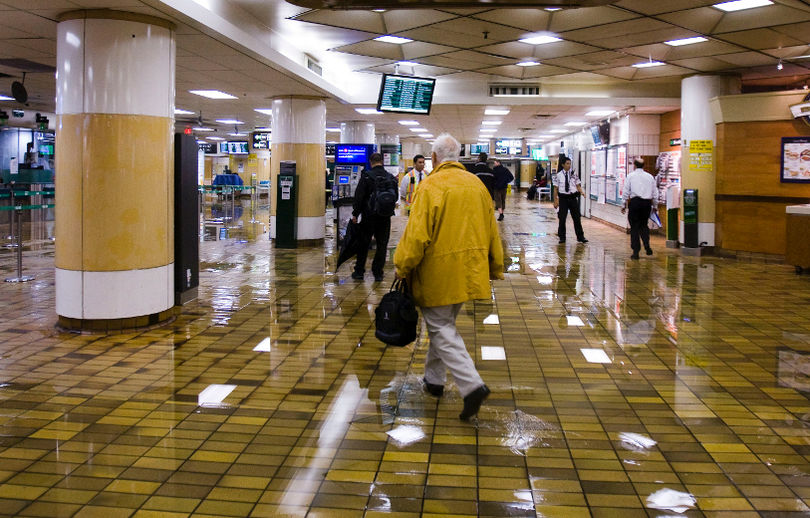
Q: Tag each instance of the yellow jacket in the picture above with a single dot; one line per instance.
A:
(450, 248)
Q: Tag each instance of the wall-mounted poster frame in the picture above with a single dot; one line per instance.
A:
(795, 160)
(598, 164)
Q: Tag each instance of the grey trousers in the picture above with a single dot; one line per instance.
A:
(447, 350)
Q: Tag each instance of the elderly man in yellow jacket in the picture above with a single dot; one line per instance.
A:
(448, 253)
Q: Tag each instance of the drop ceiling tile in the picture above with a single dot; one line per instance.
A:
(701, 20)
(594, 61)
(512, 72)
(640, 38)
(235, 61)
(544, 71)
(789, 52)
(408, 51)
(202, 45)
(418, 49)
(796, 30)
(446, 62)
(571, 19)
(704, 64)
(618, 30)
(647, 7)
(199, 64)
(403, 19)
(515, 49)
(747, 59)
(428, 71)
(526, 19)
(761, 39)
(663, 71)
(464, 33)
(767, 16)
(664, 52)
(473, 58)
(8, 32)
(465, 12)
(47, 47)
(619, 73)
(367, 21)
(63, 5)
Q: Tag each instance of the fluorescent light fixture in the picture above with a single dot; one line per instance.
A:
(213, 395)
(266, 128)
(418, 130)
(599, 113)
(552, 9)
(595, 356)
(487, 130)
(739, 5)
(237, 134)
(202, 128)
(545, 136)
(215, 138)
(575, 123)
(264, 111)
(558, 131)
(492, 320)
(333, 130)
(491, 123)
(648, 64)
(367, 111)
(540, 40)
(263, 346)
(496, 111)
(482, 143)
(489, 352)
(409, 123)
(177, 111)
(528, 63)
(229, 121)
(406, 434)
(685, 41)
(392, 39)
(378, 10)
(427, 135)
(212, 94)
(408, 63)
(574, 320)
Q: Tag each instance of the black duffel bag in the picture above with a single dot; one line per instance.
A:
(396, 316)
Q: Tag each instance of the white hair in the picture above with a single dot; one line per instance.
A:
(447, 149)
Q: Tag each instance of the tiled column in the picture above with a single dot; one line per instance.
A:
(697, 123)
(299, 134)
(114, 191)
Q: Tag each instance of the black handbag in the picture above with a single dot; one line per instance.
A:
(396, 316)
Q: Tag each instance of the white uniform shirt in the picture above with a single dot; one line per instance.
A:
(640, 184)
(406, 188)
(573, 181)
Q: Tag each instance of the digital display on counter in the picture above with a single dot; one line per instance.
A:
(406, 94)
(353, 153)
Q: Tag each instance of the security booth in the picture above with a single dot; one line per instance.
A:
(287, 206)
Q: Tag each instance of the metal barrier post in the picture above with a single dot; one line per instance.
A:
(11, 223)
(20, 277)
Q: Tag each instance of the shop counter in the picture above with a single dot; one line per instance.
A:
(797, 249)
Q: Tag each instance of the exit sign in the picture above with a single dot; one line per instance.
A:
(674, 142)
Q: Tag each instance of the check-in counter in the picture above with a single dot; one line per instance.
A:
(797, 250)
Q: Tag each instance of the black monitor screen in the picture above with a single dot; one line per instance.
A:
(261, 140)
(406, 94)
(353, 153)
(604, 133)
(237, 148)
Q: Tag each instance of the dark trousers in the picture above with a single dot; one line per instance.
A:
(637, 215)
(569, 203)
(380, 228)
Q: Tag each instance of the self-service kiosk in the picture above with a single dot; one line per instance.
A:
(350, 161)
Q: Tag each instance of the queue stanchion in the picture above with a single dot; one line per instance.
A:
(20, 277)
(11, 234)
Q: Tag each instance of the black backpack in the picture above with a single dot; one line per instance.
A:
(396, 316)
(383, 198)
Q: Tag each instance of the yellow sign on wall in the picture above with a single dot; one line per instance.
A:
(700, 155)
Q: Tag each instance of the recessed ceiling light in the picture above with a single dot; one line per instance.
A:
(238, 134)
(496, 111)
(367, 111)
(527, 63)
(558, 131)
(408, 63)
(599, 113)
(739, 5)
(212, 94)
(482, 144)
(265, 111)
(177, 111)
(409, 123)
(488, 130)
(540, 40)
(263, 129)
(202, 128)
(552, 9)
(575, 123)
(392, 39)
(491, 123)
(545, 136)
(333, 130)
(215, 138)
(229, 121)
(418, 130)
(426, 135)
(378, 10)
(648, 64)
(685, 41)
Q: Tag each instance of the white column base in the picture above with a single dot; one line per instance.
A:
(705, 233)
(120, 294)
(308, 228)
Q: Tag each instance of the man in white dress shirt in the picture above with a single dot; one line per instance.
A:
(410, 180)
(639, 195)
(567, 190)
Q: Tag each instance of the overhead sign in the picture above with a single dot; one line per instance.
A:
(406, 94)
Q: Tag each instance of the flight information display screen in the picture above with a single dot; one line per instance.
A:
(406, 94)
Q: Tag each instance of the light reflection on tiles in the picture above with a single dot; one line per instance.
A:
(492, 320)
(574, 320)
(213, 395)
(263, 346)
(489, 352)
(596, 356)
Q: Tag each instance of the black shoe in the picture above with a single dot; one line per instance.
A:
(500, 218)
(357, 276)
(472, 402)
(634, 257)
(562, 241)
(433, 390)
(583, 240)
(649, 251)
(378, 278)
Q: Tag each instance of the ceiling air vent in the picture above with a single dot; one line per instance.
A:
(514, 90)
(313, 65)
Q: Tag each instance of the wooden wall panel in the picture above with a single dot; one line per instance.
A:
(751, 226)
(670, 129)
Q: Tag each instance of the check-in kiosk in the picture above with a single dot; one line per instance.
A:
(350, 161)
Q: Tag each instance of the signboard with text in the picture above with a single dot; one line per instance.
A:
(700, 155)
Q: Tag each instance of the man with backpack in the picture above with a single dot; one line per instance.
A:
(374, 200)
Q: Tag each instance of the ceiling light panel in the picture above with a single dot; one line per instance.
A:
(177, 111)
(575, 123)
(212, 94)
(527, 63)
(540, 40)
(685, 41)
(648, 64)
(392, 39)
(418, 130)
(496, 111)
(202, 128)
(599, 113)
(739, 5)
(491, 123)
(229, 121)
(367, 111)
(409, 123)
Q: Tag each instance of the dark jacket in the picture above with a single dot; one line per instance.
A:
(503, 176)
(484, 173)
(364, 189)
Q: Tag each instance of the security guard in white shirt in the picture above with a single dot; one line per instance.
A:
(567, 190)
(639, 194)
(410, 180)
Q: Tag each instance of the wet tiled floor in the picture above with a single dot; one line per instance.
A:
(707, 357)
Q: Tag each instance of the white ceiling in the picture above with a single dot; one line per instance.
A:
(254, 49)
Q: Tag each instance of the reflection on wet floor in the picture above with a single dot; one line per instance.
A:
(668, 386)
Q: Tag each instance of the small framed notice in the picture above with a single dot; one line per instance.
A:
(795, 160)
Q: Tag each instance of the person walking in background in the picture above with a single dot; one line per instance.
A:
(448, 253)
(640, 196)
(410, 181)
(484, 173)
(567, 190)
(503, 177)
(375, 199)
